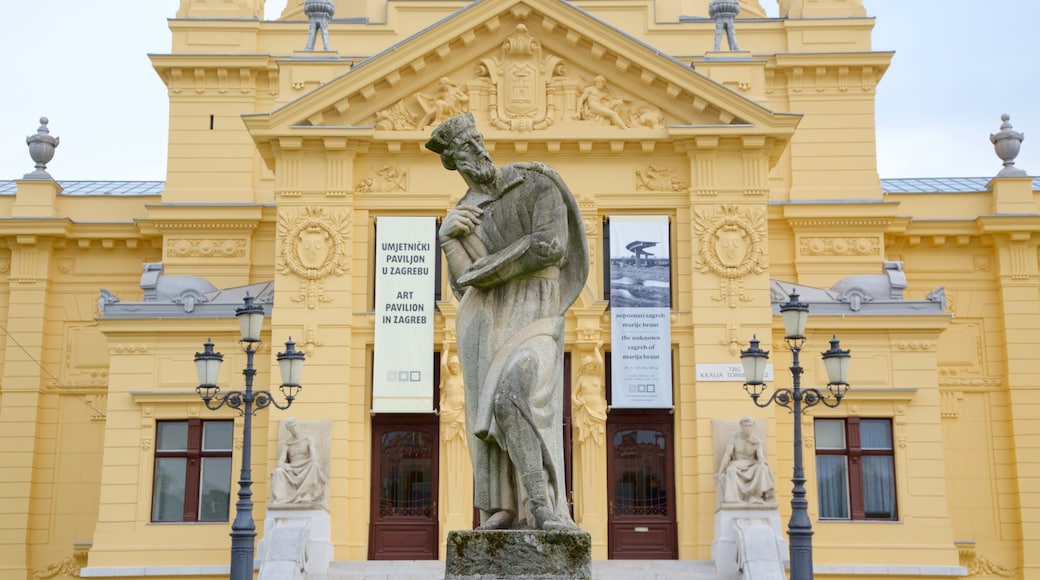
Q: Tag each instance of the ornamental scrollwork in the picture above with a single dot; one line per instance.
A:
(731, 246)
(313, 247)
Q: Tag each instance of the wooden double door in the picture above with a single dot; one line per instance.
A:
(404, 487)
(641, 486)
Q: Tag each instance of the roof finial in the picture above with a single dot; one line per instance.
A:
(319, 13)
(724, 12)
(41, 149)
(1007, 144)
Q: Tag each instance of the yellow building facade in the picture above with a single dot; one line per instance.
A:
(282, 161)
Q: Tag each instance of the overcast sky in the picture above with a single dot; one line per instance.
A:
(959, 65)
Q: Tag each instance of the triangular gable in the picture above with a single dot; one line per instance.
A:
(523, 66)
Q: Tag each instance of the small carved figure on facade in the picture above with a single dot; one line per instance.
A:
(724, 13)
(453, 421)
(597, 101)
(590, 404)
(299, 478)
(517, 257)
(654, 178)
(744, 473)
(449, 100)
(319, 13)
(396, 118)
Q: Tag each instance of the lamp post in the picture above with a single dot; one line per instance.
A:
(248, 402)
(797, 400)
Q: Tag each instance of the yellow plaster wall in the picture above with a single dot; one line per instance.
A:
(959, 391)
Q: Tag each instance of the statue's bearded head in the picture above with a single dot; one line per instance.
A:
(461, 148)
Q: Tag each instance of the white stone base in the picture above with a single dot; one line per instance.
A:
(724, 550)
(301, 536)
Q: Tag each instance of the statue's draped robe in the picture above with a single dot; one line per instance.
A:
(517, 321)
(747, 478)
(298, 479)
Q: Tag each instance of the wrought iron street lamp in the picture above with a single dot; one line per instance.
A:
(248, 402)
(797, 400)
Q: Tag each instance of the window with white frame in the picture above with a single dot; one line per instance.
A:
(192, 477)
(855, 469)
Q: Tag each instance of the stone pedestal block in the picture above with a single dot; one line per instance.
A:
(518, 554)
(731, 548)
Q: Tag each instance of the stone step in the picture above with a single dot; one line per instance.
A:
(601, 570)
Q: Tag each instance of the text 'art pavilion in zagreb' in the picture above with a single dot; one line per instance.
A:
(640, 221)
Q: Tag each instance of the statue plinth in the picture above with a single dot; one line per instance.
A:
(518, 554)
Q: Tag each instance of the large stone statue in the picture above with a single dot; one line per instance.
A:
(518, 258)
(744, 473)
(299, 479)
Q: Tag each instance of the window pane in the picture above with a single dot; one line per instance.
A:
(215, 489)
(216, 435)
(875, 433)
(639, 473)
(833, 476)
(879, 490)
(830, 434)
(168, 492)
(172, 436)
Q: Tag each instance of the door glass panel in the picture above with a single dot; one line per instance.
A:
(639, 473)
(405, 474)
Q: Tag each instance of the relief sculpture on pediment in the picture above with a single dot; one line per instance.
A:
(520, 83)
(521, 87)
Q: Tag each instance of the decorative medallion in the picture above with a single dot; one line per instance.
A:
(314, 247)
(731, 246)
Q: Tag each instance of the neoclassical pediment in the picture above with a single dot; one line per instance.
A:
(543, 68)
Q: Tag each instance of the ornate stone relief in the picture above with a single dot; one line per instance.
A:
(227, 248)
(521, 89)
(386, 178)
(731, 246)
(66, 568)
(314, 247)
(656, 178)
(864, 246)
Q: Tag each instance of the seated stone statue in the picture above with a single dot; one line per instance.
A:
(744, 474)
(299, 478)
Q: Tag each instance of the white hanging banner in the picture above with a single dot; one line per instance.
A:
(402, 373)
(640, 313)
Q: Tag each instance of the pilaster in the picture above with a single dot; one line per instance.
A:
(23, 375)
(589, 416)
(1015, 248)
(730, 296)
(319, 287)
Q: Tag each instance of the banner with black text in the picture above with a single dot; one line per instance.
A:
(402, 374)
(640, 313)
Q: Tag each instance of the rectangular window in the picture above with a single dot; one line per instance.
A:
(192, 471)
(855, 469)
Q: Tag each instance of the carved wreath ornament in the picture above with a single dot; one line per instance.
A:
(314, 247)
(731, 246)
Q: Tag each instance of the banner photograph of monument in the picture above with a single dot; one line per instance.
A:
(640, 305)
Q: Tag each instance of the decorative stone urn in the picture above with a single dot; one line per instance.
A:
(41, 149)
(1007, 144)
(724, 8)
